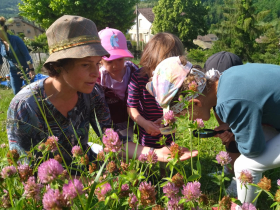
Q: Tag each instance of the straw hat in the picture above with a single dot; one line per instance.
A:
(73, 37)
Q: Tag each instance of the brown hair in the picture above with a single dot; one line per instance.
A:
(2, 23)
(160, 47)
(50, 70)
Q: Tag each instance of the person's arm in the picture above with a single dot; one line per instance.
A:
(163, 154)
(22, 126)
(24, 51)
(245, 120)
(132, 103)
(226, 136)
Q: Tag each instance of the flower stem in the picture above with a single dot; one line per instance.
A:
(10, 193)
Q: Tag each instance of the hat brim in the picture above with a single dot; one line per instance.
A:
(81, 51)
(118, 53)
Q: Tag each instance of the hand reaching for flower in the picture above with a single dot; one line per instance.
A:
(164, 154)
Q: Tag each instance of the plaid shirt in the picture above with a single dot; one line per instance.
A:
(26, 126)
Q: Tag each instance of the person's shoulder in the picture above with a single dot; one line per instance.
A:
(16, 38)
(27, 94)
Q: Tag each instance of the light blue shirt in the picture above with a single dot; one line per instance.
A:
(248, 96)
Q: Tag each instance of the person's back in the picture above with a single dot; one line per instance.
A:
(248, 91)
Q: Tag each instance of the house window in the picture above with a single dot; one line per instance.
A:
(18, 24)
(28, 31)
(140, 23)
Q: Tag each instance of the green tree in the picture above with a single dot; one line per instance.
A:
(238, 32)
(184, 18)
(105, 13)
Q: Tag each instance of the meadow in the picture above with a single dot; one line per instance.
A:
(208, 149)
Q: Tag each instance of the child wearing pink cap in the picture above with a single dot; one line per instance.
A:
(115, 75)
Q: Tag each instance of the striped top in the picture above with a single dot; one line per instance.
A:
(140, 98)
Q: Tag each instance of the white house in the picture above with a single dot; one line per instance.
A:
(145, 20)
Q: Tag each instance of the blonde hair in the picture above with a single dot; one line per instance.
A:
(2, 23)
(160, 47)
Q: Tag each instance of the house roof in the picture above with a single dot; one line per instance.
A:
(202, 44)
(147, 13)
(26, 22)
(204, 38)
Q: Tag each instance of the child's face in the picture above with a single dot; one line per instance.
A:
(114, 65)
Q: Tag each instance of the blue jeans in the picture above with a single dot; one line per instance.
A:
(16, 80)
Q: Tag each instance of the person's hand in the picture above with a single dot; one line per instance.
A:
(159, 123)
(164, 154)
(226, 136)
(151, 128)
(32, 74)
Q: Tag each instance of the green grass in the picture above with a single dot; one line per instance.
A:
(209, 148)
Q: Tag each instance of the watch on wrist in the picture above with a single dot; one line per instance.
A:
(32, 69)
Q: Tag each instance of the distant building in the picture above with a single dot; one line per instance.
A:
(29, 29)
(145, 19)
(205, 42)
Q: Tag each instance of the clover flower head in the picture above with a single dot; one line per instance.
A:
(191, 191)
(173, 204)
(223, 158)
(125, 187)
(265, 183)
(2, 146)
(152, 157)
(278, 182)
(148, 193)
(178, 180)
(8, 171)
(200, 123)
(248, 206)
(72, 189)
(101, 191)
(24, 172)
(77, 151)
(32, 189)
(169, 117)
(170, 190)
(49, 170)
(175, 149)
(193, 86)
(142, 158)
(132, 201)
(53, 199)
(51, 143)
(111, 140)
(245, 177)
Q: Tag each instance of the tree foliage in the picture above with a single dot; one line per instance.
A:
(105, 13)
(239, 30)
(184, 18)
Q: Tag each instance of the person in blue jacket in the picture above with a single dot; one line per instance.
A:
(247, 98)
(7, 43)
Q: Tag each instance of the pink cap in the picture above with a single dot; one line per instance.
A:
(114, 42)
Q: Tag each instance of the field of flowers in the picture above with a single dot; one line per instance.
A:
(114, 182)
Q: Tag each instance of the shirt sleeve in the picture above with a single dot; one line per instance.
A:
(133, 92)
(21, 127)
(100, 109)
(24, 51)
(245, 120)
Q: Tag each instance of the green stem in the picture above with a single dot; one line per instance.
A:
(257, 197)
(10, 193)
